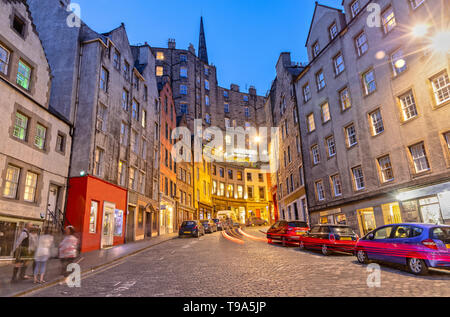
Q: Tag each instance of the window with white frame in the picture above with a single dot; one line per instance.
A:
(306, 93)
(24, 75)
(350, 132)
(336, 185)
(362, 46)
(320, 79)
(331, 144)
(388, 19)
(358, 178)
(386, 171)
(20, 126)
(344, 98)
(11, 182)
(408, 104)
(376, 121)
(39, 138)
(416, 3)
(4, 59)
(441, 88)
(315, 154)
(355, 8)
(419, 157)
(339, 65)
(333, 30)
(316, 49)
(398, 62)
(369, 82)
(320, 193)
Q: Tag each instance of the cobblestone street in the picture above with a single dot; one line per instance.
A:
(215, 266)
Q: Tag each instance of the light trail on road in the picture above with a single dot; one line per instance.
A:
(251, 237)
(230, 238)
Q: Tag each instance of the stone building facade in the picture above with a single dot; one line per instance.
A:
(287, 166)
(373, 111)
(108, 90)
(36, 139)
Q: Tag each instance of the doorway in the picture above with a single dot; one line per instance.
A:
(52, 213)
(108, 225)
(130, 223)
(391, 213)
(148, 224)
(366, 220)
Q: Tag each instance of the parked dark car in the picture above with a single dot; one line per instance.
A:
(417, 246)
(220, 224)
(192, 228)
(256, 221)
(329, 238)
(287, 232)
(209, 225)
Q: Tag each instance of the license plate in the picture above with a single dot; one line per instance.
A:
(448, 246)
(346, 239)
(187, 232)
(300, 233)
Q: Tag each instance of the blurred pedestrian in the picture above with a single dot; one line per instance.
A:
(33, 244)
(22, 253)
(68, 249)
(42, 254)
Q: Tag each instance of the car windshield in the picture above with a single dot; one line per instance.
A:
(188, 224)
(205, 221)
(298, 224)
(441, 233)
(343, 230)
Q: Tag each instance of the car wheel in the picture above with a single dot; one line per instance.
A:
(301, 245)
(417, 266)
(325, 250)
(362, 257)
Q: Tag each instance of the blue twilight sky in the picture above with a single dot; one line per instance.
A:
(244, 37)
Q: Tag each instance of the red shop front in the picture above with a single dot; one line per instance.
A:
(97, 209)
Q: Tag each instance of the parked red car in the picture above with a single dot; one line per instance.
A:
(329, 238)
(287, 232)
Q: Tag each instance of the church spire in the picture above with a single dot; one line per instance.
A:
(202, 51)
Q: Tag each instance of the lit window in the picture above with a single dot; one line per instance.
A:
(362, 44)
(98, 162)
(93, 217)
(159, 71)
(386, 171)
(144, 118)
(11, 182)
(20, 126)
(441, 88)
(408, 104)
(419, 157)
(160, 56)
(39, 139)
(358, 178)
(23, 75)
(326, 116)
(388, 18)
(30, 187)
(369, 82)
(376, 122)
(344, 97)
(311, 123)
(4, 60)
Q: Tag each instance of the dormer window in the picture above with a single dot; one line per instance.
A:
(333, 31)
(19, 25)
(355, 8)
(316, 49)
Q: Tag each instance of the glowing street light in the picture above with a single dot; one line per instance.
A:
(257, 139)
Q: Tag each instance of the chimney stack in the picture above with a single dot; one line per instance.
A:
(171, 44)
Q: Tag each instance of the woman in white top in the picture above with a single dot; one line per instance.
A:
(42, 254)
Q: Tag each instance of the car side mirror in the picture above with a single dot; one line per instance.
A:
(371, 236)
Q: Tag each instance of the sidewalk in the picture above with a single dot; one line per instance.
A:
(89, 261)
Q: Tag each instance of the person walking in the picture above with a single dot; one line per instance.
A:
(22, 253)
(68, 249)
(42, 254)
